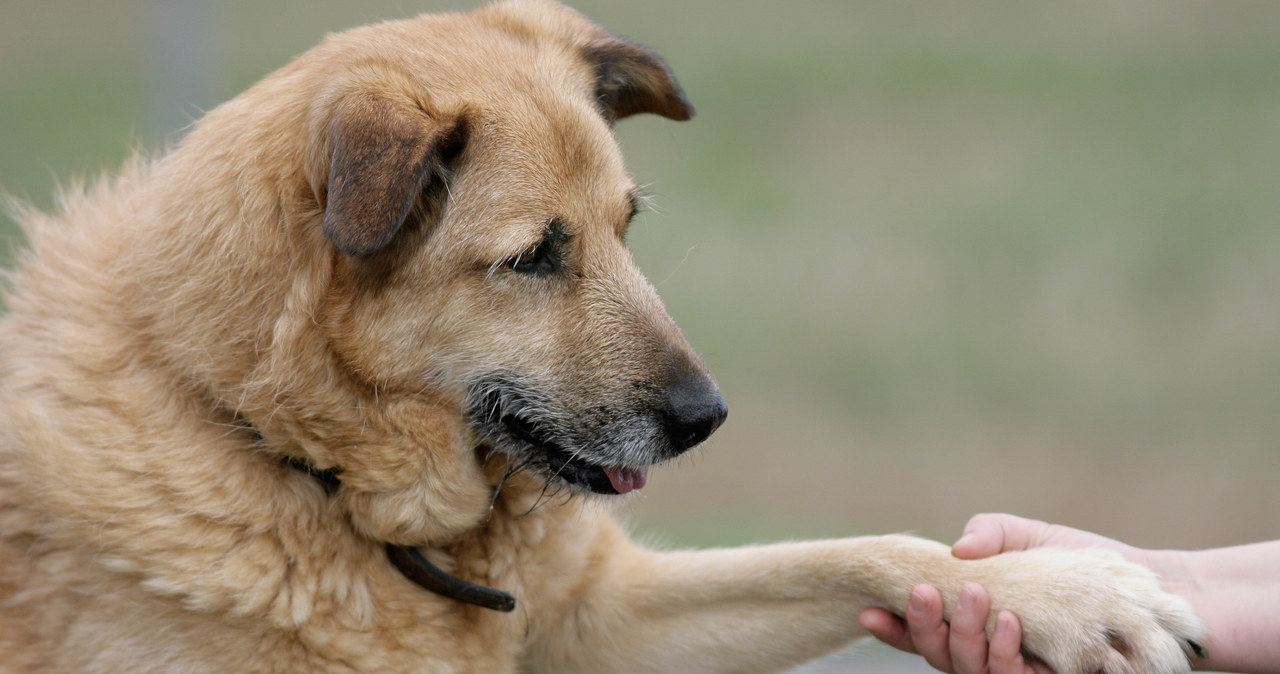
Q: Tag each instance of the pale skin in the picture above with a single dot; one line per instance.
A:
(1234, 590)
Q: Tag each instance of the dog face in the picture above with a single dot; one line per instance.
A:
(480, 208)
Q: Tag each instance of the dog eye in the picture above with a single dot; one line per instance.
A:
(545, 258)
(539, 261)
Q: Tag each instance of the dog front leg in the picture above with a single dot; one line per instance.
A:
(763, 609)
(751, 609)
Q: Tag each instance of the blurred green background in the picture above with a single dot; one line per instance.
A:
(944, 258)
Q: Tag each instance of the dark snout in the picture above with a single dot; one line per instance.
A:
(694, 410)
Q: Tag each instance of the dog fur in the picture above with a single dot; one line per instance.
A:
(399, 260)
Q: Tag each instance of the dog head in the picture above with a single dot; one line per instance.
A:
(477, 204)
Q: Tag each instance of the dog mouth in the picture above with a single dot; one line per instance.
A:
(566, 466)
(512, 418)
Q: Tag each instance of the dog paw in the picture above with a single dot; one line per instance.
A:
(1086, 611)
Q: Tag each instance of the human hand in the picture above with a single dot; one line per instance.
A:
(991, 534)
(962, 647)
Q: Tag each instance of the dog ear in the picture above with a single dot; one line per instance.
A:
(383, 154)
(631, 79)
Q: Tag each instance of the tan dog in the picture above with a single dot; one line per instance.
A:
(365, 318)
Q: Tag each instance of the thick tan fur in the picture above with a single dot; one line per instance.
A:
(267, 291)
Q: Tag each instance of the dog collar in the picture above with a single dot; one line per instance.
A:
(412, 564)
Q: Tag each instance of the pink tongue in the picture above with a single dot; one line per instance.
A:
(625, 479)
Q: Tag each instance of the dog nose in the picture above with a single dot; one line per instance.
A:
(693, 411)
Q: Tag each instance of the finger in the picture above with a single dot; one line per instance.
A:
(968, 639)
(929, 634)
(989, 534)
(887, 627)
(1005, 650)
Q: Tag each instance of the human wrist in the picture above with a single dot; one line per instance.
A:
(1179, 571)
(1234, 593)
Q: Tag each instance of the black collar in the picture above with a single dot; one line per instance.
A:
(410, 561)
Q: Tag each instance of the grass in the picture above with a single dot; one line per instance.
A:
(943, 258)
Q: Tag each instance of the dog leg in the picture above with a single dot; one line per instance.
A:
(763, 609)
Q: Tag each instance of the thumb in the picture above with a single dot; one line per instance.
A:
(990, 534)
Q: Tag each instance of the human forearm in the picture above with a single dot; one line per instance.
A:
(1236, 592)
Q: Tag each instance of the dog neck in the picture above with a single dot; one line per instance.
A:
(410, 562)
(328, 478)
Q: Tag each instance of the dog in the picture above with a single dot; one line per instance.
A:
(348, 380)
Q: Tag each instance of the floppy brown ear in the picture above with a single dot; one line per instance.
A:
(631, 79)
(384, 152)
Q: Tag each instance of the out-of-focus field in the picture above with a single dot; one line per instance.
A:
(943, 257)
